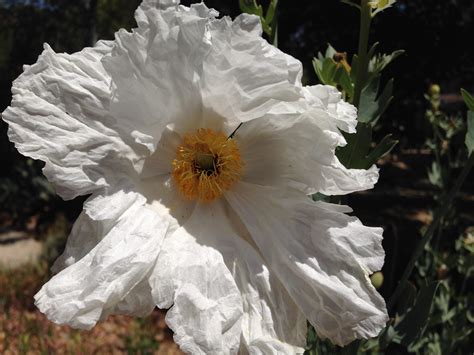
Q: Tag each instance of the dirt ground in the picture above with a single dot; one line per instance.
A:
(17, 249)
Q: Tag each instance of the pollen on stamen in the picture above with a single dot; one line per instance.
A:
(207, 164)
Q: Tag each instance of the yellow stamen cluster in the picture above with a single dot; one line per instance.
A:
(207, 164)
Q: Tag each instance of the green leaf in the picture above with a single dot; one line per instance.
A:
(343, 78)
(383, 101)
(353, 155)
(434, 175)
(470, 132)
(387, 336)
(251, 7)
(413, 324)
(321, 197)
(382, 5)
(372, 50)
(266, 28)
(381, 150)
(379, 62)
(275, 33)
(350, 3)
(318, 67)
(271, 11)
(468, 99)
(408, 298)
(371, 108)
(325, 70)
(329, 70)
(330, 51)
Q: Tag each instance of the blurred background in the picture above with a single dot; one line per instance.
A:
(437, 37)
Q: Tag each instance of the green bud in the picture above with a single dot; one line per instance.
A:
(380, 5)
(434, 89)
(377, 279)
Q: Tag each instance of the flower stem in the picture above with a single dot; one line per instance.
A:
(362, 55)
(274, 25)
(438, 217)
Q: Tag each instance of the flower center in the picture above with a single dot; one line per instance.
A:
(207, 164)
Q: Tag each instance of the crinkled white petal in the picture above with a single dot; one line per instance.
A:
(299, 151)
(340, 181)
(138, 302)
(164, 198)
(102, 212)
(155, 70)
(108, 278)
(192, 279)
(59, 114)
(329, 98)
(161, 161)
(244, 77)
(184, 67)
(320, 255)
(84, 237)
(271, 323)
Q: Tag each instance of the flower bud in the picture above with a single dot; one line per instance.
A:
(377, 279)
(434, 89)
(378, 4)
(341, 59)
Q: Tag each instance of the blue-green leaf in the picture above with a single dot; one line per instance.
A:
(413, 324)
(353, 155)
(468, 99)
(381, 150)
(470, 132)
(350, 3)
(325, 70)
(381, 5)
(378, 62)
(343, 79)
(251, 7)
(371, 107)
(372, 50)
(330, 52)
(408, 299)
(386, 337)
(271, 11)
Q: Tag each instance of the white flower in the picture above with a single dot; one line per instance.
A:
(221, 231)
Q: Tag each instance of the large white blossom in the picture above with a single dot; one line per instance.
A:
(220, 231)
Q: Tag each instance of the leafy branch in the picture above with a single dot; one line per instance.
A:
(268, 20)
